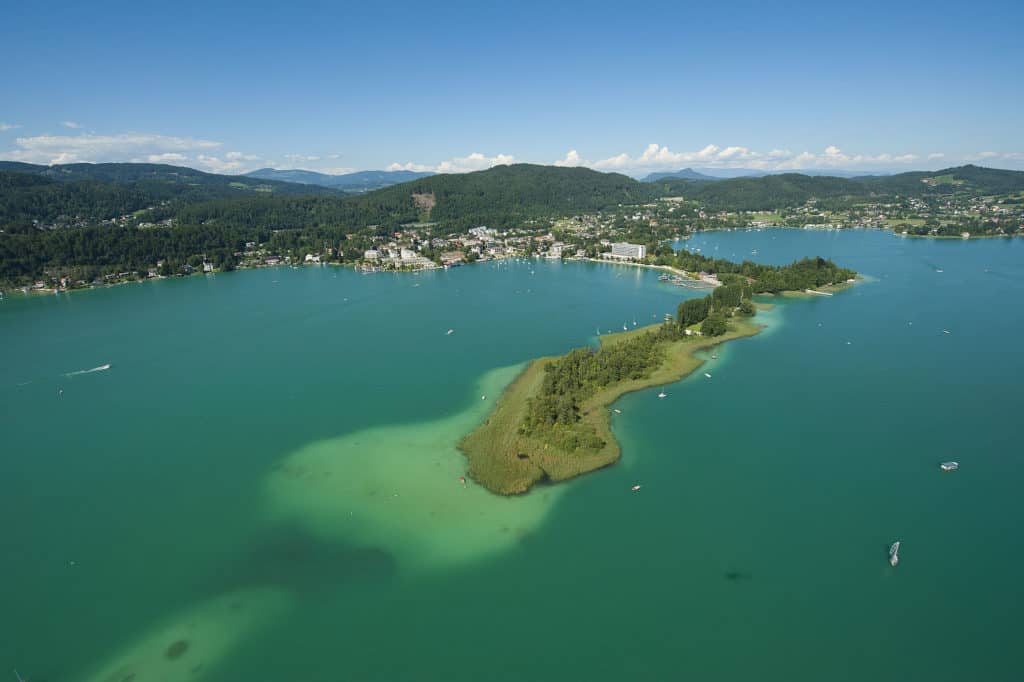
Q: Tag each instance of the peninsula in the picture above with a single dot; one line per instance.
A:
(552, 423)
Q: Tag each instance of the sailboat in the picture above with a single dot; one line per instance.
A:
(894, 553)
(634, 320)
(624, 327)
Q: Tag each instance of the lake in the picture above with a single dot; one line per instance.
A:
(264, 483)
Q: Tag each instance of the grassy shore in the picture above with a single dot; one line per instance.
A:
(508, 463)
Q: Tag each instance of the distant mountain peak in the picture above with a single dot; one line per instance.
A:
(360, 181)
(684, 174)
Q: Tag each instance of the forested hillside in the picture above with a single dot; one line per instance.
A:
(504, 195)
(77, 194)
(129, 216)
(791, 189)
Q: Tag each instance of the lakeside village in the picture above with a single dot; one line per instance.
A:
(635, 234)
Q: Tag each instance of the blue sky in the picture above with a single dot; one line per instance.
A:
(632, 87)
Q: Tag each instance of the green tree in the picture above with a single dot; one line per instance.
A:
(714, 325)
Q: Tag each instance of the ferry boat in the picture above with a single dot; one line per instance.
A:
(894, 553)
(949, 466)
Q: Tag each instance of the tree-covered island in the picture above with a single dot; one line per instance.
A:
(552, 422)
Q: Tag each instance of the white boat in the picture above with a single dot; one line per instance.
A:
(707, 375)
(894, 553)
(662, 394)
(450, 332)
(949, 466)
(617, 411)
(636, 487)
(946, 331)
(624, 326)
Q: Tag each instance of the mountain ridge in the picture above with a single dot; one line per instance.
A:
(359, 181)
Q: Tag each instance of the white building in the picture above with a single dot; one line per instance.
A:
(408, 254)
(371, 254)
(627, 250)
(483, 233)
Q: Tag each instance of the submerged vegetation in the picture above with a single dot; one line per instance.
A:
(552, 422)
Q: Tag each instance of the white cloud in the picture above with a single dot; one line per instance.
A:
(300, 158)
(71, 124)
(91, 148)
(996, 156)
(8, 126)
(239, 156)
(657, 157)
(572, 158)
(167, 157)
(462, 164)
(219, 165)
(935, 156)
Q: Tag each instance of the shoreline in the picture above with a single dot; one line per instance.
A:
(509, 463)
(650, 266)
(32, 291)
(850, 229)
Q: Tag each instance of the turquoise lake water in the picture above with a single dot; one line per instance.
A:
(264, 483)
